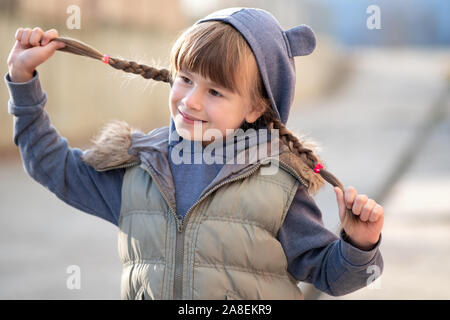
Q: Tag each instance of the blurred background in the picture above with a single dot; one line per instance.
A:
(374, 95)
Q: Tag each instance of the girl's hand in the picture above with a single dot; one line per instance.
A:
(364, 232)
(32, 48)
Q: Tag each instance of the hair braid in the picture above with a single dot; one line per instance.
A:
(145, 71)
(294, 144)
(304, 153)
(82, 49)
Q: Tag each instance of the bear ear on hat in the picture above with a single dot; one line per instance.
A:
(300, 40)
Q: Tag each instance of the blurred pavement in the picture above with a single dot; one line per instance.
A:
(364, 130)
(388, 135)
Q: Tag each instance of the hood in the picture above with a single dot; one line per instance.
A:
(274, 50)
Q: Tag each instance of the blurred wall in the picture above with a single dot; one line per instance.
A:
(155, 14)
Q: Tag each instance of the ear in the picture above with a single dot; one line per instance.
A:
(300, 41)
(253, 115)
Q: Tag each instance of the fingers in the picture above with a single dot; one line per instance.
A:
(359, 203)
(340, 201)
(376, 213)
(350, 195)
(367, 209)
(19, 34)
(49, 35)
(34, 37)
(25, 37)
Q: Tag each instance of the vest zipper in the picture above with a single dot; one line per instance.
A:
(245, 175)
(179, 245)
(179, 242)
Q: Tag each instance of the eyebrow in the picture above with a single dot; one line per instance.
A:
(211, 83)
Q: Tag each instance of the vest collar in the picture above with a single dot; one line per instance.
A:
(120, 146)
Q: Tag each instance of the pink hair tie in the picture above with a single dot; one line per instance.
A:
(318, 167)
(105, 58)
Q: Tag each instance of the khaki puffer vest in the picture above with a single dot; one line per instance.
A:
(226, 246)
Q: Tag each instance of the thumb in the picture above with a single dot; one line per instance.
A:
(50, 48)
(340, 201)
(56, 44)
(40, 54)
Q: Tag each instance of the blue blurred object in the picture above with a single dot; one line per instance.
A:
(406, 22)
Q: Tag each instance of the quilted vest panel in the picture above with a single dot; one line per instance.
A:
(227, 248)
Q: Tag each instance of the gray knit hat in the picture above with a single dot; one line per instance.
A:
(274, 50)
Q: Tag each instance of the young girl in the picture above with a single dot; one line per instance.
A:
(190, 229)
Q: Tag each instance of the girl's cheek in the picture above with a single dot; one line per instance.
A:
(175, 94)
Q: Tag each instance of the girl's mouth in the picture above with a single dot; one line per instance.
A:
(189, 119)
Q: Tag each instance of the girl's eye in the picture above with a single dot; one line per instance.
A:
(185, 80)
(214, 93)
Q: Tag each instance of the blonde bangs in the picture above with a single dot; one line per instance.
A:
(214, 50)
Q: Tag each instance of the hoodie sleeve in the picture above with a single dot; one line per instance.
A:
(316, 255)
(49, 160)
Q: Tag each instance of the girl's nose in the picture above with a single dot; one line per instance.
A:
(193, 99)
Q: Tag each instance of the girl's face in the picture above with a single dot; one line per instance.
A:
(213, 107)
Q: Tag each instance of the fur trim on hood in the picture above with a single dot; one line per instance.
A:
(110, 147)
(111, 150)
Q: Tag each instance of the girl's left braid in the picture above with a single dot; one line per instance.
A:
(307, 156)
(82, 49)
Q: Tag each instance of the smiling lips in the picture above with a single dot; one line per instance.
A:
(188, 117)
